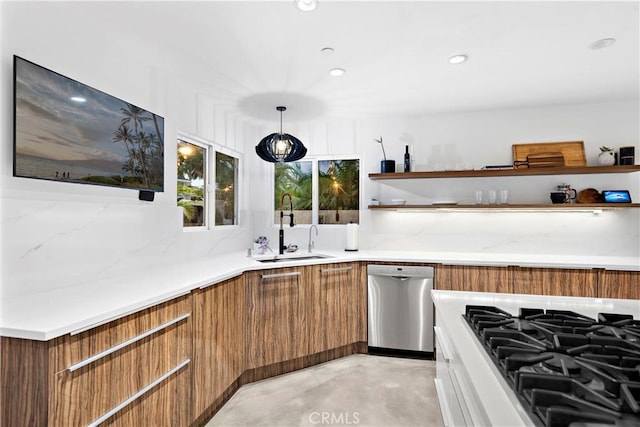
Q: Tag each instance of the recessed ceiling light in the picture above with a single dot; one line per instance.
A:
(336, 72)
(601, 44)
(458, 59)
(78, 99)
(327, 50)
(306, 5)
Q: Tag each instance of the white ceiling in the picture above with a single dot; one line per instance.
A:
(250, 56)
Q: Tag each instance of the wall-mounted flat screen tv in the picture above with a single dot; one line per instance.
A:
(69, 132)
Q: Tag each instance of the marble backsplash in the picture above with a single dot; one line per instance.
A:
(611, 233)
(67, 243)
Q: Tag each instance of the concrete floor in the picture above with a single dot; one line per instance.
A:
(358, 390)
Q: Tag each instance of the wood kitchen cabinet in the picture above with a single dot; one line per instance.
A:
(219, 324)
(339, 306)
(619, 284)
(473, 278)
(132, 371)
(279, 303)
(555, 281)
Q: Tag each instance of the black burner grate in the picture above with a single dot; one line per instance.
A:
(566, 368)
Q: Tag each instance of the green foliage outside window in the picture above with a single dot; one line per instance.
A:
(294, 178)
(338, 191)
(191, 183)
(226, 168)
(338, 183)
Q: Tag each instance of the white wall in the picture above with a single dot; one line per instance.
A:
(67, 233)
(481, 138)
(476, 139)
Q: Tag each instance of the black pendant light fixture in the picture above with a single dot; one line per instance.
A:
(280, 147)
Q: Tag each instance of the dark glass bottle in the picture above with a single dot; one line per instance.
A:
(407, 159)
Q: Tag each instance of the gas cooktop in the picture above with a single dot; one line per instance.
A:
(566, 369)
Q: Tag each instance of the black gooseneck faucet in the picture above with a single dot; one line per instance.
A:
(282, 214)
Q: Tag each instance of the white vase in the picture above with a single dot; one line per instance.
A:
(606, 158)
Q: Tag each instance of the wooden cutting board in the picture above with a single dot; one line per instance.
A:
(546, 160)
(572, 151)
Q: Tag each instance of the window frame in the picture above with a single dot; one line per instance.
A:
(315, 197)
(207, 183)
(211, 148)
(237, 186)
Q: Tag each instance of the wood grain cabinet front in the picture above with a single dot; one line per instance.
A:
(279, 310)
(555, 281)
(339, 308)
(132, 371)
(219, 323)
(473, 278)
(619, 284)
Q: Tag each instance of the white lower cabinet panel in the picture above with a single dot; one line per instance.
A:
(451, 407)
(457, 395)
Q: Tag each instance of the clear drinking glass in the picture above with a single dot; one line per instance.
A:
(479, 194)
(504, 197)
(492, 196)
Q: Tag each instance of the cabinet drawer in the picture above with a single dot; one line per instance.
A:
(119, 364)
(555, 281)
(162, 403)
(73, 349)
(619, 284)
(473, 278)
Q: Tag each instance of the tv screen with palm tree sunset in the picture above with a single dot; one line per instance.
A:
(67, 131)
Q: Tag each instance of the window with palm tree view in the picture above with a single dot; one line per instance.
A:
(192, 160)
(226, 176)
(336, 183)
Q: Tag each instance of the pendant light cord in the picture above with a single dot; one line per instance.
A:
(281, 109)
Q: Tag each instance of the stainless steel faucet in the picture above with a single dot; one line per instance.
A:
(310, 248)
(282, 214)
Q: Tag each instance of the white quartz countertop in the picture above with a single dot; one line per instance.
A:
(41, 310)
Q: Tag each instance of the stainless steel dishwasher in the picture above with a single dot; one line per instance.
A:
(400, 309)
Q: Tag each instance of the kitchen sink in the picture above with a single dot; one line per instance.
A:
(293, 258)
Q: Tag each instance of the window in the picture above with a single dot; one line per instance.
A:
(195, 182)
(192, 179)
(322, 191)
(226, 189)
(339, 191)
(294, 178)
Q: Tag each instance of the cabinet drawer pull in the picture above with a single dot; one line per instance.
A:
(278, 275)
(139, 393)
(123, 344)
(335, 270)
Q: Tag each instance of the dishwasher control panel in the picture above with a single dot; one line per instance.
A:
(400, 270)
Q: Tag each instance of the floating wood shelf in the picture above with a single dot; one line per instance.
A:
(574, 170)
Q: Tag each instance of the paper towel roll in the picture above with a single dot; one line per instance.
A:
(352, 237)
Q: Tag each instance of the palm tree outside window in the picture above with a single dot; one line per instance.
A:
(336, 182)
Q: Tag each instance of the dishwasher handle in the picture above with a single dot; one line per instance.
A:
(401, 277)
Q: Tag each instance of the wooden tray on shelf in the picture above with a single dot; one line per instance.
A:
(572, 151)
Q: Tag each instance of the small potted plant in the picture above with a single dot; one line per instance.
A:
(606, 156)
(386, 166)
